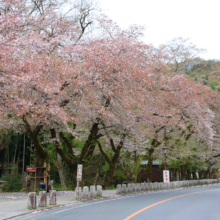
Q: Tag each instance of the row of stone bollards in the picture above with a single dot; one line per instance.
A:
(88, 192)
(136, 187)
(32, 199)
(85, 193)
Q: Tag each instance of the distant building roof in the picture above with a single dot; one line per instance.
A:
(145, 162)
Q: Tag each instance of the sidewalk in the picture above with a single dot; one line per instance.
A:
(13, 204)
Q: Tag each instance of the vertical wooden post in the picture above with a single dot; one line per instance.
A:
(26, 180)
(35, 180)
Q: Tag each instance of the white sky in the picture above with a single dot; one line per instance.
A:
(198, 20)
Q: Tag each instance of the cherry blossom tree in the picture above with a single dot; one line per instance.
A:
(106, 85)
(181, 54)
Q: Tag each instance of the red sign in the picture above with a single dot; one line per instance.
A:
(31, 169)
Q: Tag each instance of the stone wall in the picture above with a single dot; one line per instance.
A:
(137, 187)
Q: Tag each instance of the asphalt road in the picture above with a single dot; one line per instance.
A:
(202, 203)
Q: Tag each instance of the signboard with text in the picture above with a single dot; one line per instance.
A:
(166, 176)
(31, 169)
(79, 172)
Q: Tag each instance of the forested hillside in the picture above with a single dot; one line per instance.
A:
(207, 72)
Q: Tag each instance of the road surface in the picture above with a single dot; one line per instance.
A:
(202, 203)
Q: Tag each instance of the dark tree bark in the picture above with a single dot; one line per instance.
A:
(40, 152)
(114, 160)
(150, 164)
(174, 174)
(86, 154)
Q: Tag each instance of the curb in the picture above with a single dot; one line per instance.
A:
(55, 206)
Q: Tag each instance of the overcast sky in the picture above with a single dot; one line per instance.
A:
(198, 20)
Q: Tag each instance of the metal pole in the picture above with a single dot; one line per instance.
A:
(165, 162)
(209, 172)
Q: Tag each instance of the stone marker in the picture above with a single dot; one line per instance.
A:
(78, 193)
(130, 189)
(119, 189)
(85, 194)
(53, 197)
(134, 186)
(123, 188)
(158, 186)
(99, 190)
(138, 186)
(161, 186)
(143, 186)
(150, 186)
(43, 199)
(32, 200)
(147, 186)
(155, 186)
(92, 192)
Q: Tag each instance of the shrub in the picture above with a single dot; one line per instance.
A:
(192, 74)
(13, 183)
(212, 86)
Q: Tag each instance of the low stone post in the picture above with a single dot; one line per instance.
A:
(43, 199)
(155, 186)
(138, 186)
(143, 186)
(119, 189)
(99, 190)
(147, 186)
(85, 194)
(158, 186)
(130, 189)
(123, 188)
(167, 185)
(92, 192)
(53, 197)
(78, 193)
(32, 200)
(150, 186)
(134, 186)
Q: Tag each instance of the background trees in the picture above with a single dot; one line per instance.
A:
(182, 54)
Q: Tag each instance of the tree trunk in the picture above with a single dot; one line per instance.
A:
(74, 173)
(60, 171)
(189, 175)
(174, 174)
(149, 165)
(194, 175)
(200, 175)
(96, 177)
(183, 173)
(110, 178)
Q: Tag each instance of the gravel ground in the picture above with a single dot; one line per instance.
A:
(13, 204)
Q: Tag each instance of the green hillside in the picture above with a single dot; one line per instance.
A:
(206, 72)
